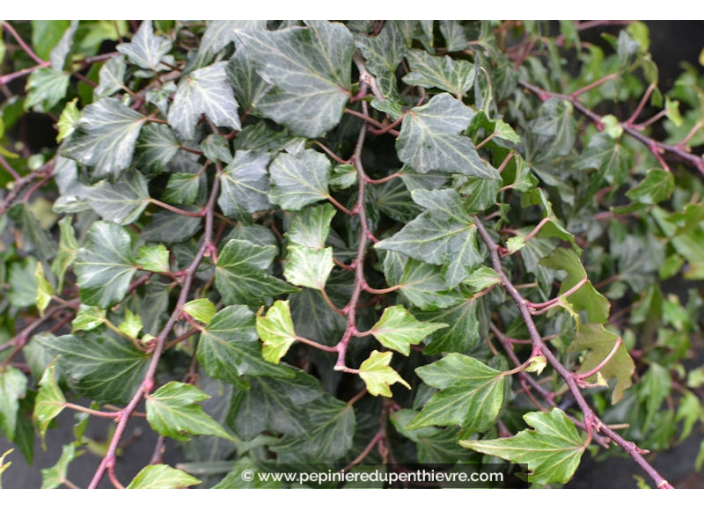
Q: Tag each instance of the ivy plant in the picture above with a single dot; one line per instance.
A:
(349, 244)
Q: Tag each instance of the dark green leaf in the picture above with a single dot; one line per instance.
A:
(35, 239)
(156, 147)
(471, 394)
(220, 33)
(45, 88)
(216, 148)
(99, 366)
(170, 227)
(63, 47)
(204, 91)
(228, 347)
(54, 477)
(552, 450)
(173, 412)
(105, 265)
(435, 445)
(657, 187)
(430, 140)
(106, 137)
(245, 184)
(146, 49)
(46, 34)
(183, 188)
(383, 54)
(424, 286)
(122, 202)
(162, 476)
(463, 330)
(310, 68)
(112, 77)
(456, 77)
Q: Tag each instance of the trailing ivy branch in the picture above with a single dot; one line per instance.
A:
(285, 266)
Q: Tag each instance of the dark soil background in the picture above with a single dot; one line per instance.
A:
(671, 43)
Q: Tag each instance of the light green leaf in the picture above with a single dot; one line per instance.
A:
(106, 137)
(228, 347)
(162, 476)
(482, 277)
(245, 184)
(45, 88)
(430, 140)
(311, 226)
(4, 465)
(398, 329)
(105, 265)
(378, 375)
(46, 34)
(153, 258)
(68, 121)
(131, 325)
(100, 366)
(654, 388)
(299, 179)
(87, 318)
(216, 148)
(454, 76)
(202, 310)
(156, 147)
(173, 412)
(44, 290)
(600, 343)
(471, 394)
(49, 401)
(54, 477)
(122, 202)
(307, 267)
(657, 186)
(63, 47)
(13, 386)
(112, 77)
(204, 91)
(23, 286)
(241, 274)
(146, 49)
(311, 70)
(552, 450)
(276, 331)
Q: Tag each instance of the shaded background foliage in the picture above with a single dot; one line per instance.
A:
(195, 157)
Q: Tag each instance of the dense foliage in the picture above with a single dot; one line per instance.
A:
(349, 245)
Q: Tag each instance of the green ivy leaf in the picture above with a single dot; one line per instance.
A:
(471, 394)
(276, 331)
(131, 325)
(122, 202)
(424, 286)
(434, 445)
(44, 290)
(398, 329)
(216, 148)
(311, 227)
(220, 33)
(88, 318)
(430, 140)
(35, 239)
(383, 54)
(444, 234)
(153, 258)
(156, 147)
(276, 405)
(245, 184)
(54, 477)
(49, 401)
(454, 76)
(99, 366)
(46, 34)
(307, 267)
(184, 189)
(310, 68)
(173, 412)
(462, 333)
(205, 91)
(162, 476)
(171, 227)
(68, 121)
(228, 347)
(45, 88)
(657, 186)
(299, 179)
(105, 265)
(378, 375)
(241, 277)
(146, 49)
(552, 450)
(556, 121)
(63, 47)
(600, 343)
(202, 310)
(106, 137)
(112, 77)
(13, 386)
